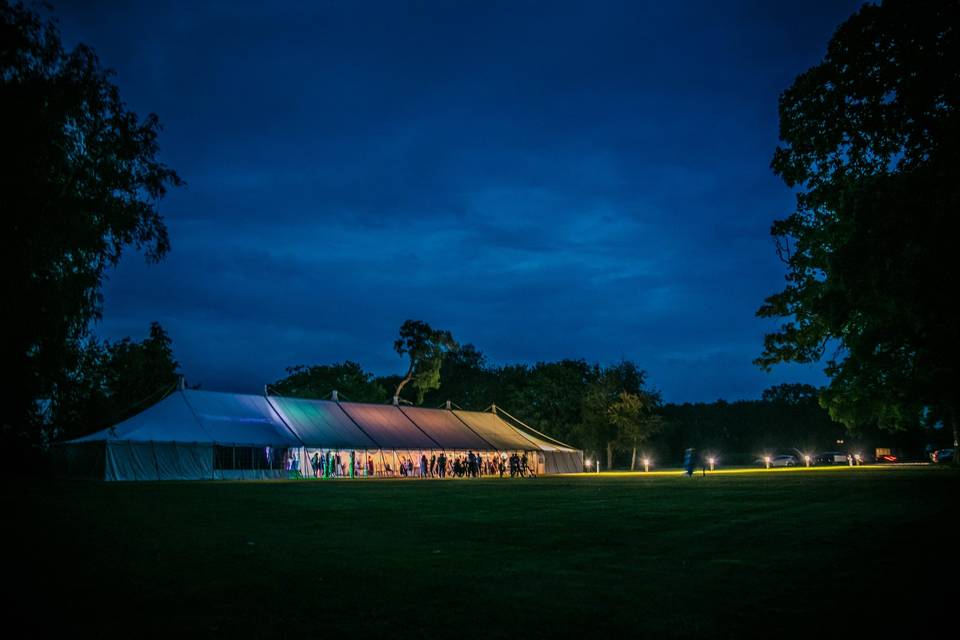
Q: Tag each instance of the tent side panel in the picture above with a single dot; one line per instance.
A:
(130, 461)
(563, 461)
(183, 460)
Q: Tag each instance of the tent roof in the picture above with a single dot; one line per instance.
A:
(445, 428)
(202, 416)
(321, 423)
(495, 431)
(251, 420)
(389, 427)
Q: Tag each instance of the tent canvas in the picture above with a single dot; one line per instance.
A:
(445, 428)
(321, 424)
(389, 427)
(178, 439)
(192, 434)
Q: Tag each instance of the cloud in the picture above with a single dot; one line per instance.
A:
(571, 183)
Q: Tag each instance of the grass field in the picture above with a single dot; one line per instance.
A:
(856, 550)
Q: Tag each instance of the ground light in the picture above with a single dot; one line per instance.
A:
(806, 459)
(646, 465)
(589, 464)
(766, 459)
(712, 461)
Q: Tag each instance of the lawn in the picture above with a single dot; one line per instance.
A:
(752, 554)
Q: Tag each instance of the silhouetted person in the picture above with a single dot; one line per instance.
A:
(689, 460)
(472, 464)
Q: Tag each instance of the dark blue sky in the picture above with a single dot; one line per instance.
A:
(545, 180)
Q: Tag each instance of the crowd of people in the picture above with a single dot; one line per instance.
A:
(332, 464)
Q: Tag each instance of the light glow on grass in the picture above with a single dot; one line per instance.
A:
(679, 472)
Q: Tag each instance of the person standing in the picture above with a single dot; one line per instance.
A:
(689, 461)
(423, 465)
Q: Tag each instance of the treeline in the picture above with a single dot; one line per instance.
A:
(584, 404)
(611, 412)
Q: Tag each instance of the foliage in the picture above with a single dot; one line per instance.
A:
(616, 409)
(425, 347)
(466, 378)
(870, 142)
(743, 430)
(348, 378)
(113, 382)
(633, 416)
(792, 394)
(81, 183)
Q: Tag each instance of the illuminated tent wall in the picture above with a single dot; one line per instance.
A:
(189, 435)
(211, 435)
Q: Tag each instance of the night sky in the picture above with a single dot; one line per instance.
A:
(545, 180)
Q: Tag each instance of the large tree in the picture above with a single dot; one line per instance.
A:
(425, 348)
(633, 415)
(615, 404)
(871, 145)
(80, 183)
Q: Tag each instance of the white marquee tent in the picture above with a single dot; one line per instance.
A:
(193, 435)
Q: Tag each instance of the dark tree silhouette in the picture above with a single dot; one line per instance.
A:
(80, 183)
(113, 382)
(870, 142)
(347, 378)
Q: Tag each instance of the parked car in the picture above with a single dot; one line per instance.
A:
(942, 455)
(784, 461)
(831, 457)
(778, 461)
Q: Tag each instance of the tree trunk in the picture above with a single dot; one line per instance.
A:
(406, 379)
(633, 459)
(609, 455)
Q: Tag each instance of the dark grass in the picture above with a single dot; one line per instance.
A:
(856, 550)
